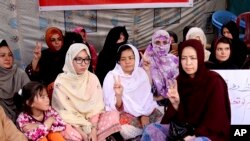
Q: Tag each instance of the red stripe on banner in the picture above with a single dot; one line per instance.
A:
(96, 2)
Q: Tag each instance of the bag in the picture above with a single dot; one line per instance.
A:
(178, 131)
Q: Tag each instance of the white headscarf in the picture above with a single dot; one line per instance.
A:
(77, 97)
(137, 97)
(195, 32)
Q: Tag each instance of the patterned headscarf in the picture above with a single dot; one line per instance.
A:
(164, 66)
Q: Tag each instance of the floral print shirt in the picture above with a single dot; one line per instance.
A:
(41, 131)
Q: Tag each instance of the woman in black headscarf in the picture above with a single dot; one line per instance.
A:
(116, 37)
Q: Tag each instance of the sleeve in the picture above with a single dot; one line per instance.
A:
(34, 134)
(34, 76)
(9, 129)
(216, 122)
(59, 124)
(108, 92)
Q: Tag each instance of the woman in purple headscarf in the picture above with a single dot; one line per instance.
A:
(164, 66)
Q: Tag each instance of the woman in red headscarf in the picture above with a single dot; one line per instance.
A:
(47, 64)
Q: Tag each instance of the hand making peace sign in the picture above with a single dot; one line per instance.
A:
(173, 94)
(38, 51)
(118, 88)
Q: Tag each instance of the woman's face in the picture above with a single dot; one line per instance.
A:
(121, 38)
(127, 61)
(6, 57)
(56, 41)
(222, 52)
(189, 61)
(81, 62)
(227, 33)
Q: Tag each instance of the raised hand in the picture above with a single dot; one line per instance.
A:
(118, 88)
(38, 51)
(173, 94)
(145, 62)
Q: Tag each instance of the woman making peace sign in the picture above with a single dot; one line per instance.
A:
(127, 89)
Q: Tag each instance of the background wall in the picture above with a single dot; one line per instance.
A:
(22, 24)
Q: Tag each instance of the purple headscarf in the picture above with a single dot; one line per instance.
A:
(164, 66)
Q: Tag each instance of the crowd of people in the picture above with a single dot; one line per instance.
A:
(69, 93)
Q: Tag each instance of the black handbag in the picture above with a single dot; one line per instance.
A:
(179, 130)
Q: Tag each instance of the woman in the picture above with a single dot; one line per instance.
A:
(198, 33)
(78, 98)
(239, 48)
(222, 55)
(83, 33)
(198, 97)
(164, 66)
(12, 79)
(127, 89)
(116, 37)
(47, 64)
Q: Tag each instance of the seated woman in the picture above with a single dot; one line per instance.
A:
(221, 55)
(127, 89)
(198, 97)
(164, 66)
(78, 98)
(47, 64)
(12, 79)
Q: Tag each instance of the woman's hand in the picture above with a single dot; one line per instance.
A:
(173, 94)
(118, 88)
(38, 51)
(144, 120)
(189, 138)
(93, 135)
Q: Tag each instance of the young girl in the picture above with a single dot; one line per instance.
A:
(38, 121)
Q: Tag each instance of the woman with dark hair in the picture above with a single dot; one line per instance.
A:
(127, 89)
(199, 98)
(12, 79)
(116, 37)
(221, 56)
(239, 48)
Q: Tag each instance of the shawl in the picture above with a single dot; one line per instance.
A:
(77, 97)
(137, 97)
(204, 100)
(239, 48)
(195, 32)
(11, 81)
(164, 66)
(107, 56)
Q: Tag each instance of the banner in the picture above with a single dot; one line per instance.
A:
(50, 5)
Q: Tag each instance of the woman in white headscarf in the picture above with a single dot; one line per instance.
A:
(127, 89)
(198, 34)
(78, 97)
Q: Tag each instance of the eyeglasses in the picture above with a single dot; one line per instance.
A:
(79, 60)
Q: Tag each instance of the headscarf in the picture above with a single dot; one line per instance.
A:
(204, 99)
(198, 32)
(11, 81)
(106, 58)
(239, 52)
(164, 66)
(77, 97)
(137, 98)
(49, 33)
